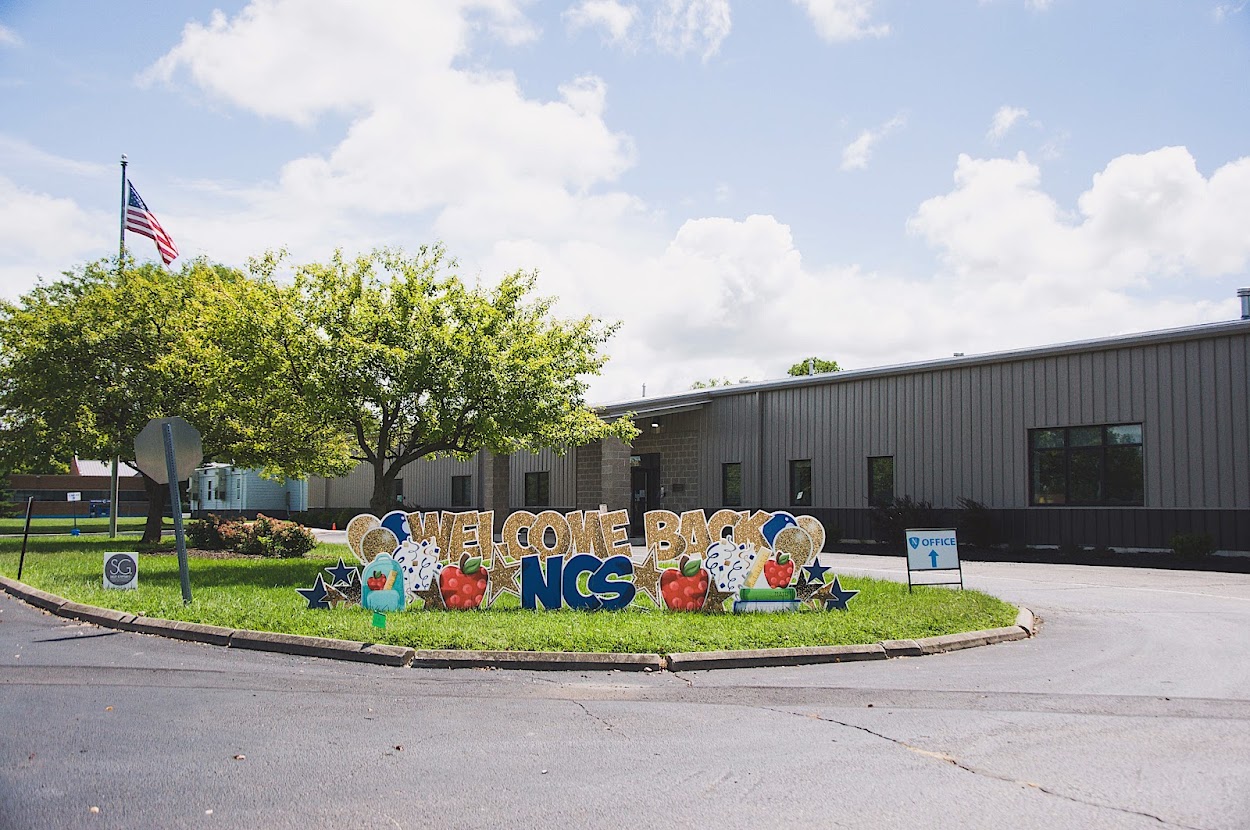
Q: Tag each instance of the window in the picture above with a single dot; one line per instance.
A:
(1093, 465)
(461, 487)
(801, 483)
(208, 489)
(538, 489)
(880, 480)
(731, 484)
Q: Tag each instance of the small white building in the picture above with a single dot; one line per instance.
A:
(223, 488)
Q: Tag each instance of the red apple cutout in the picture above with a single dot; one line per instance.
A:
(464, 586)
(779, 571)
(684, 588)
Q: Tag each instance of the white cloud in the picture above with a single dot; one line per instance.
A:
(841, 20)
(1004, 120)
(692, 26)
(41, 233)
(1145, 217)
(8, 37)
(857, 154)
(424, 134)
(1223, 11)
(613, 18)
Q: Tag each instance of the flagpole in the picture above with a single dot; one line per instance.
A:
(121, 259)
(121, 235)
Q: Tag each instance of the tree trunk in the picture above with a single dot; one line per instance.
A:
(158, 497)
(383, 499)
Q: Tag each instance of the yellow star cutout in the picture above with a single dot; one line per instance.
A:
(503, 577)
(647, 577)
(715, 602)
(432, 595)
(336, 597)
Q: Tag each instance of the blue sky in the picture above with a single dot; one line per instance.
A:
(739, 184)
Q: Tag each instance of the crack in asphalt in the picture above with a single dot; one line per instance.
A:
(606, 724)
(955, 762)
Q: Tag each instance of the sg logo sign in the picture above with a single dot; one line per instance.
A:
(121, 570)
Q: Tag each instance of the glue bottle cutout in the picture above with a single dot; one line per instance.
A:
(382, 585)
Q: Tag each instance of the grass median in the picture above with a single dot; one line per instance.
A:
(259, 594)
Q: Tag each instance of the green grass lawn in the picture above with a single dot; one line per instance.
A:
(259, 594)
(128, 524)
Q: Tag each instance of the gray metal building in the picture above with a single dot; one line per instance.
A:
(1117, 442)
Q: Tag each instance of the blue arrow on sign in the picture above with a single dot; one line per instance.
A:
(933, 557)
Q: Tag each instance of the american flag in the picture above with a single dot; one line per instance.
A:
(140, 220)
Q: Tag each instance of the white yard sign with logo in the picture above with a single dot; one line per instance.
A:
(121, 570)
(932, 550)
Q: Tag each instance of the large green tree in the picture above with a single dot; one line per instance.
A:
(414, 362)
(87, 360)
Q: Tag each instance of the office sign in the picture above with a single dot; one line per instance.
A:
(932, 549)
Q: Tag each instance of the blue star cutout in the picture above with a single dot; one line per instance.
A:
(814, 573)
(316, 595)
(342, 574)
(838, 596)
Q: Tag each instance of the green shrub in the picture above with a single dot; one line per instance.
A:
(891, 521)
(1192, 545)
(265, 536)
(976, 525)
(205, 533)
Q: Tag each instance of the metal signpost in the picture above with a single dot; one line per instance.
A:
(30, 503)
(168, 450)
(74, 497)
(933, 549)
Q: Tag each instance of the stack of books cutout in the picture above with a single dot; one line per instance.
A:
(765, 600)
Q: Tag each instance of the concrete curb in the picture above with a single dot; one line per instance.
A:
(537, 660)
(213, 635)
(106, 617)
(399, 656)
(1026, 620)
(322, 647)
(760, 658)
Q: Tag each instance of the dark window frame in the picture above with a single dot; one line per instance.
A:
(800, 497)
(725, 499)
(538, 494)
(1077, 449)
(462, 491)
(873, 500)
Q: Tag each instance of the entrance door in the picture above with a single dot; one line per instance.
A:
(644, 489)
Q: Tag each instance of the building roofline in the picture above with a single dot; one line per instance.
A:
(684, 401)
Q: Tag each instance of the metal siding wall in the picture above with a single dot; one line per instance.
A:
(563, 471)
(729, 434)
(963, 431)
(352, 490)
(1239, 421)
(427, 482)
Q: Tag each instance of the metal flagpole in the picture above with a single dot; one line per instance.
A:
(121, 260)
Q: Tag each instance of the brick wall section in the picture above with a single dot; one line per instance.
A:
(677, 442)
(615, 474)
(495, 487)
(603, 475)
(590, 476)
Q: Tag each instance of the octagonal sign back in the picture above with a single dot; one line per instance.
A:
(150, 449)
